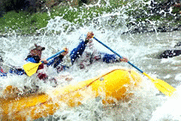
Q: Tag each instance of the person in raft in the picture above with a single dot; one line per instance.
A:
(34, 56)
(89, 54)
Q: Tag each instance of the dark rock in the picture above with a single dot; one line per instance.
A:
(171, 52)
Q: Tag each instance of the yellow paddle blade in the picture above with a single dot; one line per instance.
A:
(31, 68)
(162, 86)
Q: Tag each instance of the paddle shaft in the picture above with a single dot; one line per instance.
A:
(55, 55)
(118, 55)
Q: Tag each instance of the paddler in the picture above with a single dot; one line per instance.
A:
(35, 57)
(88, 54)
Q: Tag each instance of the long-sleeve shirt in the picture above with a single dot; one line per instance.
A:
(55, 61)
(78, 51)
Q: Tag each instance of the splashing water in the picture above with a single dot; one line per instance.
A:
(141, 49)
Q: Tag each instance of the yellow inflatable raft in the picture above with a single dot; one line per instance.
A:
(108, 87)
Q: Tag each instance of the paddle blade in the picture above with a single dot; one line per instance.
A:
(31, 68)
(164, 87)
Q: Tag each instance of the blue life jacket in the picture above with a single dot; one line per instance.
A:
(12, 71)
(3, 74)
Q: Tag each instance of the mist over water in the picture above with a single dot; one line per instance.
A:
(147, 104)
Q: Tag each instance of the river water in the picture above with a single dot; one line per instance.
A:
(147, 104)
(141, 50)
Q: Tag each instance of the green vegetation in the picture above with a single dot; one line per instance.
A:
(23, 22)
(26, 23)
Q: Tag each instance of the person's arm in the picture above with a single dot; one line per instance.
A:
(78, 51)
(51, 61)
(111, 58)
(57, 60)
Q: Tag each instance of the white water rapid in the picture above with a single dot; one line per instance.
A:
(148, 104)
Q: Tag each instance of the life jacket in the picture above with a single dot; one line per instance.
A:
(1, 70)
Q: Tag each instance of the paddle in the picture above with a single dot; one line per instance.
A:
(31, 68)
(162, 86)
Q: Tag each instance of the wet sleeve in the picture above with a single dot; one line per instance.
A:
(3, 74)
(55, 61)
(78, 51)
(50, 62)
(109, 58)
